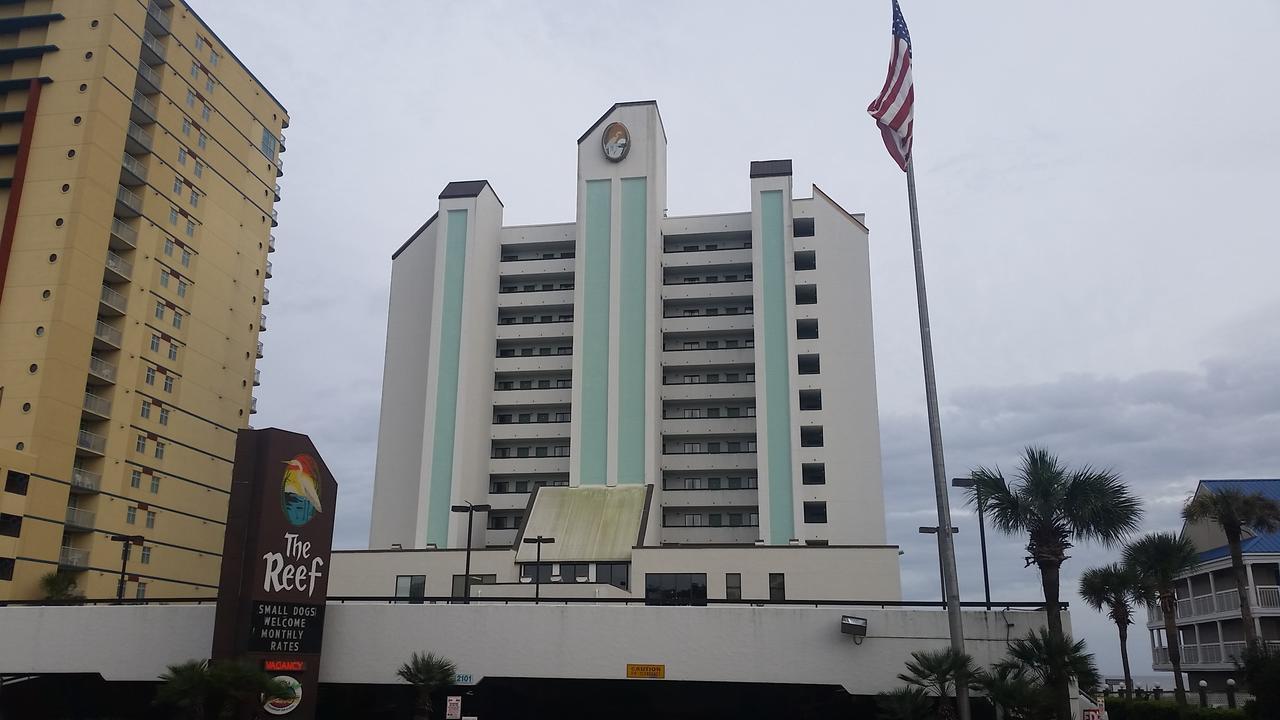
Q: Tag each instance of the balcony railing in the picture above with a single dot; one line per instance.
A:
(1227, 600)
(85, 481)
(107, 334)
(153, 51)
(266, 296)
(92, 442)
(113, 299)
(253, 405)
(141, 138)
(144, 103)
(257, 377)
(156, 14)
(70, 557)
(279, 167)
(275, 218)
(1223, 601)
(119, 265)
(1202, 605)
(277, 192)
(262, 322)
(79, 519)
(259, 348)
(149, 75)
(97, 405)
(101, 368)
(268, 273)
(127, 203)
(134, 166)
(126, 235)
(271, 243)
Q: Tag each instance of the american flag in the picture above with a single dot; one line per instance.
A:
(892, 108)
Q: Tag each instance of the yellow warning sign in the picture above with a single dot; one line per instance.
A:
(646, 672)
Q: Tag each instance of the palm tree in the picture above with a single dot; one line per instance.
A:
(907, 703)
(1235, 511)
(1055, 507)
(1159, 558)
(1039, 655)
(428, 673)
(937, 673)
(59, 586)
(1118, 589)
(203, 689)
(1009, 689)
(188, 687)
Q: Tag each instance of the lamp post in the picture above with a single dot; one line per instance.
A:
(982, 538)
(125, 542)
(942, 578)
(538, 541)
(1204, 693)
(471, 511)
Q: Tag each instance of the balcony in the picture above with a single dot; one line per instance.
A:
(275, 217)
(279, 167)
(708, 259)
(706, 290)
(157, 19)
(533, 397)
(100, 369)
(266, 296)
(106, 337)
(271, 243)
(528, 465)
(268, 269)
(83, 481)
(97, 405)
(550, 266)
(709, 498)
(709, 426)
(530, 430)
(257, 377)
(1227, 602)
(79, 520)
(536, 298)
(499, 538)
(708, 391)
(277, 189)
(262, 322)
(111, 302)
(253, 405)
(556, 329)
(673, 359)
(530, 363)
(91, 443)
(137, 141)
(127, 203)
(259, 349)
(73, 558)
(702, 535)
(132, 171)
(148, 80)
(144, 110)
(742, 322)
(153, 51)
(1217, 656)
(118, 269)
(708, 461)
(122, 237)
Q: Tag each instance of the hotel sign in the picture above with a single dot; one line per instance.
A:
(275, 563)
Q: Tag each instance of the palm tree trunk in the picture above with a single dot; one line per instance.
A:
(1242, 585)
(1124, 659)
(1061, 684)
(1169, 607)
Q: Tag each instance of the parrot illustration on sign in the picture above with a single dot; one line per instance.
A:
(300, 493)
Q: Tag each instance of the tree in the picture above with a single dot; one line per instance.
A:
(1236, 511)
(428, 673)
(907, 703)
(937, 673)
(1008, 688)
(59, 586)
(1159, 558)
(1116, 589)
(1040, 655)
(1055, 507)
(202, 689)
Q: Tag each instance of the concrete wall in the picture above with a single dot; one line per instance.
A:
(365, 643)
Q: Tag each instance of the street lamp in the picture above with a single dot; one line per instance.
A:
(125, 542)
(537, 565)
(471, 511)
(942, 578)
(982, 537)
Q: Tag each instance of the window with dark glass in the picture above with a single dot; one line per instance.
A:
(815, 512)
(16, 482)
(813, 474)
(806, 260)
(810, 399)
(543, 572)
(413, 587)
(811, 436)
(806, 329)
(459, 586)
(777, 586)
(806, 294)
(615, 574)
(808, 364)
(6, 568)
(10, 525)
(675, 589)
(574, 572)
(733, 586)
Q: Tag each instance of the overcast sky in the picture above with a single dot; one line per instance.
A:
(1097, 186)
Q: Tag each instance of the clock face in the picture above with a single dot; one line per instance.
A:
(616, 141)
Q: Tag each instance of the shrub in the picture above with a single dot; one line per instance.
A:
(1122, 709)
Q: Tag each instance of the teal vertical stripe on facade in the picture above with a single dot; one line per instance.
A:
(777, 366)
(632, 293)
(593, 452)
(441, 487)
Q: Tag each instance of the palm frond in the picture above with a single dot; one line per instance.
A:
(1159, 557)
(1099, 507)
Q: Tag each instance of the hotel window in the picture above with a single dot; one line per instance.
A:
(135, 479)
(168, 383)
(164, 279)
(204, 113)
(131, 515)
(16, 482)
(195, 70)
(151, 376)
(810, 399)
(675, 589)
(146, 409)
(186, 126)
(733, 586)
(806, 329)
(155, 343)
(151, 518)
(6, 568)
(199, 43)
(159, 453)
(159, 310)
(182, 288)
(141, 594)
(815, 512)
(191, 229)
(268, 147)
(177, 185)
(563, 382)
(693, 520)
(806, 294)
(777, 587)
(173, 216)
(813, 474)
(808, 365)
(199, 169)
(164, 418)
(202, 140)
(182, 155)
(208, 84)
(186, 258)
(155, 484)
(10, 525)
(173, 351)
(811, 436)
(168, 247)
(693, 447)
(146, 556)
(806, 260)
(195, 198)
(459, 588)
(191, 98)
(527, 570)
(572, 572)
(140, 444)
(692, 379)
(412, 587)
(615, 574)
(560, 451)
(213, 58)
(177, 319)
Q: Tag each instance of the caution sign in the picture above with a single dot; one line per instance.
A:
(647, 671)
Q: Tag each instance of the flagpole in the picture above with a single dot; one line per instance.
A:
(946, 539)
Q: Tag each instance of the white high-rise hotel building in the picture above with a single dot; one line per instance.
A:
(724, 360)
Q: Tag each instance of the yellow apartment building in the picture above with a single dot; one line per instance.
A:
(139, 166)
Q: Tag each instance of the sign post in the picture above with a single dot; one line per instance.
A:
(275, 564)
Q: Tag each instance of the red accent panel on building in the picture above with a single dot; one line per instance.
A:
(19, 176)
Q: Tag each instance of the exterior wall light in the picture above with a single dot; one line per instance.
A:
(854, 626)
